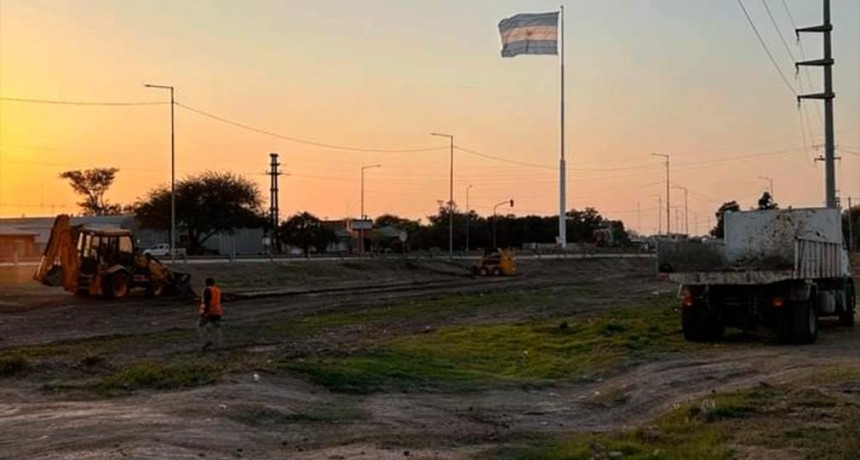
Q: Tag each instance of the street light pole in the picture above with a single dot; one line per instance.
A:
(686, 219)
(172, 171)
(668, 218)
(511, 201)
(450, 195)
(659, 213)
(468, 216)
(363, 216)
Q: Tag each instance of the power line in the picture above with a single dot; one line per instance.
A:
(803, 57)
(766, 49)
(304, 141)
(503, 160)
(778, 30)
(89, 103)
(553, 168)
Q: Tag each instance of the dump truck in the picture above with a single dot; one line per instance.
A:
(103, 262)
(782, 268)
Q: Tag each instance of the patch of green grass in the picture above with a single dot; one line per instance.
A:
(443, 307)
(11, 364)
(697, 430)
(541, 352)
(157, 376)
(836, 374)
(79, 349)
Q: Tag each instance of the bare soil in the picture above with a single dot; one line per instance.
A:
(217, 421)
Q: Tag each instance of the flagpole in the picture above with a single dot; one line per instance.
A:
(562, 167)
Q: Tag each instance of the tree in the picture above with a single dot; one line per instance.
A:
(206, 204)
(729, 206)
(582, 224)
(305, 230)
(766, 202)
(92, 184)
(411, 227)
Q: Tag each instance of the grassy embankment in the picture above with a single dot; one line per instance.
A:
(819, 420)
(483, 345)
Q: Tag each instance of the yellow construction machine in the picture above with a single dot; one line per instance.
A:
(103, 262)
(500, 262)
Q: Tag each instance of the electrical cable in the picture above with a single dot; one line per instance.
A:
(57, 102)
(766, 49)
(304, 141)
(803, 57)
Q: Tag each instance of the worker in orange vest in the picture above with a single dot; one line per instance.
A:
(210, 313)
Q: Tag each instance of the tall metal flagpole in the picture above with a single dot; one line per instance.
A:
(562, 166)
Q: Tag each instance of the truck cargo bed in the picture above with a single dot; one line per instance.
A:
(761, 247)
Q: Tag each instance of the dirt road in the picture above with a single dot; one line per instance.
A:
(256, 410)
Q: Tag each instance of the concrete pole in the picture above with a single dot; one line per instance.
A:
(827, 96)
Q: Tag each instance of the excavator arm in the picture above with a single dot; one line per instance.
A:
(60, 252)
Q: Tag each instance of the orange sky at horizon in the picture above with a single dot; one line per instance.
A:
(684, 78)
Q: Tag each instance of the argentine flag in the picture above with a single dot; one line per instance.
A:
(529, 34)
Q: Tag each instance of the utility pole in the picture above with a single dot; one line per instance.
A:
(686, 219)
(494, 218)
(273, 201)
(468, 216)
(659, 214)
(450, 196)
(827, 63)
(850, 228)
(172, 170)
(668, 212)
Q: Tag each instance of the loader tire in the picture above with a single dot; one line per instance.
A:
(155, 290)
(117, 286)
(846, 316)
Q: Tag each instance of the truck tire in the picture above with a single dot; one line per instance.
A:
(700, 324)
(117, 286)
(798, 323)
(846, 316)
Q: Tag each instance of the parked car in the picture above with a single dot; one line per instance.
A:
(163, 250)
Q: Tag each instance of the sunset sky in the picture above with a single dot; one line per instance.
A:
(683, 77)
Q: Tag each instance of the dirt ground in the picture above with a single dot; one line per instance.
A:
(56, 345)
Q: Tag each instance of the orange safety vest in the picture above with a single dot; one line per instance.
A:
(214, 302)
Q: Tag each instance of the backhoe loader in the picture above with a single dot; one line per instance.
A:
(103, 262)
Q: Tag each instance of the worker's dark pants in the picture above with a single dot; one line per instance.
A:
(208, 325)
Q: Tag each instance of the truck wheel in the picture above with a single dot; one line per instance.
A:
(700, 324)
(496, 271)
(784, 327)
(804, 322)
(846, 316)
(483, 271)
(117, 286)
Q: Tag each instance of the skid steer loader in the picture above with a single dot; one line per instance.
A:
(103, 262)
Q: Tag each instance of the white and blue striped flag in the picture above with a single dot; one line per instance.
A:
(529, 34)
